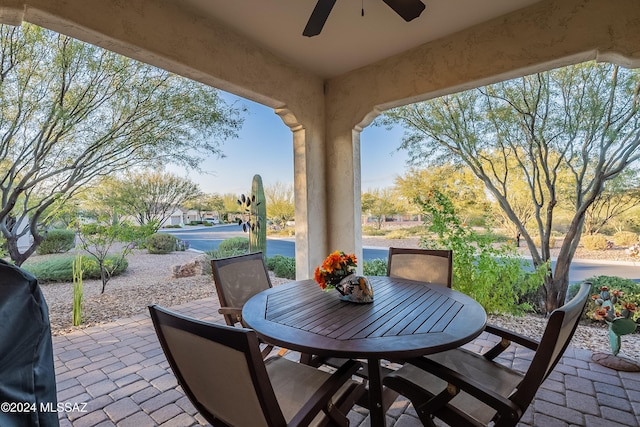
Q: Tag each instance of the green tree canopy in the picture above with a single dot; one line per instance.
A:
(380, 203)
(580, 122)
(280, 202)
(460, 185)
(71, 112)
(205, 202)
(150, 197)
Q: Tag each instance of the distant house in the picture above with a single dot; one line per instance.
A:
(177, 217)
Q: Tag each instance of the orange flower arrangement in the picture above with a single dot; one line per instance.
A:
(334, 268)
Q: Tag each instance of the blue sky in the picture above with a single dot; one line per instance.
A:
(265, 146)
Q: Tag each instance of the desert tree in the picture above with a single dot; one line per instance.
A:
(380, 203)
(464, 190)
(280, 202)
(205, 202)
(619, 197)
(580, 121)
(151, 197)
(72, 112)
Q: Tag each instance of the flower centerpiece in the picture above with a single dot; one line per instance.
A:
(620, 321)
(334, 268)
(338, 272)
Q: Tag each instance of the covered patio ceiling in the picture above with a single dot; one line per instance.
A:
(349, 40)
(328, 87)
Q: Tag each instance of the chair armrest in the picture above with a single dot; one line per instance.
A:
(513, 336)
(234, 314)
(230, 310)
(468, 385)
(507, 338)
(323, 394)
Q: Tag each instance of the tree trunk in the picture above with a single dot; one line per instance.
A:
(14, 253)
(103, 276)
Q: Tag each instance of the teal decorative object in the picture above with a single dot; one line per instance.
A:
(620, 323)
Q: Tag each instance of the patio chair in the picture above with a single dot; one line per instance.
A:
(237, 279)
(463, 388)
(221, 371)
(425, 265)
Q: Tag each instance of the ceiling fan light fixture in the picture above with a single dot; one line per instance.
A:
(407, 9)
(318, 17)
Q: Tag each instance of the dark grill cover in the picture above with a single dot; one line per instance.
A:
(26, 354)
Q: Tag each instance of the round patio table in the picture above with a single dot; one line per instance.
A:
(406, 319)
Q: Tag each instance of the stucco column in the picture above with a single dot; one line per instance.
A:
(344, 229)
(310, 201)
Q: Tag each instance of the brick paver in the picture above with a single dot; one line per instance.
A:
(119, 370)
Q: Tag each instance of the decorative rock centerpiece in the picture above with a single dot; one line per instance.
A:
(355, 289)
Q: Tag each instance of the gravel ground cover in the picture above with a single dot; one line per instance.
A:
(148, 280)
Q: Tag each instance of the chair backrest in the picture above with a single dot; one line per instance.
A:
(425, 265)
(220, 369)
(560, 328)
(238, 278)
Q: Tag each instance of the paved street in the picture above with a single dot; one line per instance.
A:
(208, 238)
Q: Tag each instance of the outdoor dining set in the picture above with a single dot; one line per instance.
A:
(405, 340)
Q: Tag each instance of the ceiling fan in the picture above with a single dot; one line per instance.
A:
(407, 9)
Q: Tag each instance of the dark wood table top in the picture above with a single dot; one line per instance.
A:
(406, 319)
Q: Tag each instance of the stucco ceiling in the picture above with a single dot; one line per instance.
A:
(348, 40)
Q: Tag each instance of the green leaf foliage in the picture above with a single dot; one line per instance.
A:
(493, 275)
(375, 267)
(230, 247)
(57, 241)
(60, 268)
(282, 266)
(161, 243)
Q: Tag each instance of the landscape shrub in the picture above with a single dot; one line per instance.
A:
(398, 233)
(161, 243)
(282, 266)
(235, 244)
(375, 267)
(538, 242)
(368, 230)
(595, 242)
(182, 245)
(59, 269)
(230, 247)
(492, 275)
(625, 238)
(57, 241)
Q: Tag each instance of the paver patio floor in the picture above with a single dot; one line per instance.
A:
(116, 375)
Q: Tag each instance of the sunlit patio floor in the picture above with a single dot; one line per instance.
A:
(119, 371)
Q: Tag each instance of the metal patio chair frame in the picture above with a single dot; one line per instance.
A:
(222, 372)
(463, 388)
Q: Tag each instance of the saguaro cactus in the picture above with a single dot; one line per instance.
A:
(258, 235)
(255, 208)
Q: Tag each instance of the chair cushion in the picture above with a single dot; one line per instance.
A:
(294, 384)
(492, 375)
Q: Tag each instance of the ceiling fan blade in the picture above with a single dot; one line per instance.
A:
(407, 9)
(318, 17)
